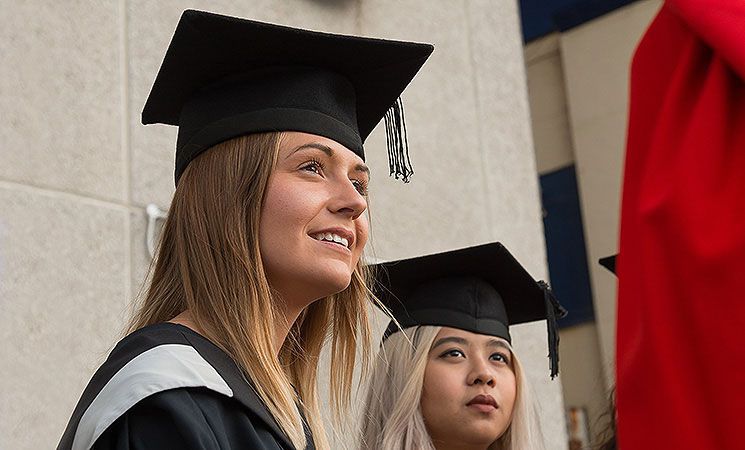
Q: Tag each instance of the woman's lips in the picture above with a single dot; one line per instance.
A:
(480, 407)
(483, 403)
(336, 247)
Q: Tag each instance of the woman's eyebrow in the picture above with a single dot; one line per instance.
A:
(329, 152)
(499, 343)
(362, 168)
(450, 339)
(316, 145)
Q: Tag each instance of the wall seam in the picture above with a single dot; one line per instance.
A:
(127, 154)
(70, 195)
(479, 125)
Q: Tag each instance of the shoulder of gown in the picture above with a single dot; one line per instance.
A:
(173, 368)
(187, 418)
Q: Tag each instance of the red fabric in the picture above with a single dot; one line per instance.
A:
(680, 357)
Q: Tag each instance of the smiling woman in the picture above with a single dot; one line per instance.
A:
(259, 258)
(316, 189)
(450, 378)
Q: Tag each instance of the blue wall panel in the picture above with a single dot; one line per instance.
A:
(542, 17)
(565, 245)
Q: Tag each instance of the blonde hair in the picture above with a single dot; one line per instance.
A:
(393, 418)
(208, 262)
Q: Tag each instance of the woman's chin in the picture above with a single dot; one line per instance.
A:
(317, 285)
(333, 283)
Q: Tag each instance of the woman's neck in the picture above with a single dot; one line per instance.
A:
(184, 318)
(289, 304)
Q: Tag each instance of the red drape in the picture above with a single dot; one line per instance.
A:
(680, 361)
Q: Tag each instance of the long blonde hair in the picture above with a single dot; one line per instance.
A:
(393, 419)
(208, 262)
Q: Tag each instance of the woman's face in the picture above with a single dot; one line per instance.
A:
(469, 389)
(312, 228)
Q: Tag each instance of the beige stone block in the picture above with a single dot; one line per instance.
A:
(443, 206)
(605, 292)
(540, 48)
(548, 105)
(150, 26)
(63, 284)
(600, 148)
(546, 87)
(60, 97)
(597, 58)
(553, 144)
(599, 152)
(508, 159)
(582, 375)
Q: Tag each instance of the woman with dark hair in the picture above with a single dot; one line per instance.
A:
(259, 258)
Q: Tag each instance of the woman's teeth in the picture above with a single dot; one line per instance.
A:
(330, 237)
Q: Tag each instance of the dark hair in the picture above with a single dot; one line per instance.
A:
(607, 437)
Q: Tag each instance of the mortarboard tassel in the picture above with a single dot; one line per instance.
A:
(399, 163)
(554, 311)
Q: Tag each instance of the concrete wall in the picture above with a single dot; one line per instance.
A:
(77, 170)
(583, 384)
(549, 112)
(596, 59)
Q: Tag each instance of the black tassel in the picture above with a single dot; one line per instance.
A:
(554, 311)
(399, 163)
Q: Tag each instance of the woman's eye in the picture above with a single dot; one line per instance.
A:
(500, 357)
(313, 166)
(360, 186)
(453, 354)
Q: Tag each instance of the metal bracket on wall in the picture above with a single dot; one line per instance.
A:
(154, 213)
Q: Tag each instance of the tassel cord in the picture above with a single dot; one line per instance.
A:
(399, 162)
(554, 311)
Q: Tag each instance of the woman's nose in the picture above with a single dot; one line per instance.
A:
(347, 200)
(480, 374)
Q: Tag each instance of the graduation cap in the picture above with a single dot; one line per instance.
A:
(609, 262)
(224, 77)
(481, 289)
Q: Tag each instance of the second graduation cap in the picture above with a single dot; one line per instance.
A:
(223, 77)
(481, 289)
(609, 262)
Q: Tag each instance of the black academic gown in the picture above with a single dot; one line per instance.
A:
(167, 387)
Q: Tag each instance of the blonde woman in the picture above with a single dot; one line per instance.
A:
(259, 257)
(450, 378)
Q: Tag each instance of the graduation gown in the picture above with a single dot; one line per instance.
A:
(679, 358)
(167, 387)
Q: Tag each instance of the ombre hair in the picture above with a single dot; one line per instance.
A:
(208, 261)
(393, 419)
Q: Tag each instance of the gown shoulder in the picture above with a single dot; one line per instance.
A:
(166, 386)
(187, 418)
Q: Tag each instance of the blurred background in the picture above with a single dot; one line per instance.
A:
(516, 131)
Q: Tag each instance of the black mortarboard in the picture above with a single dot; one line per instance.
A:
(609, 262)
(223, 77)
(481, 289)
